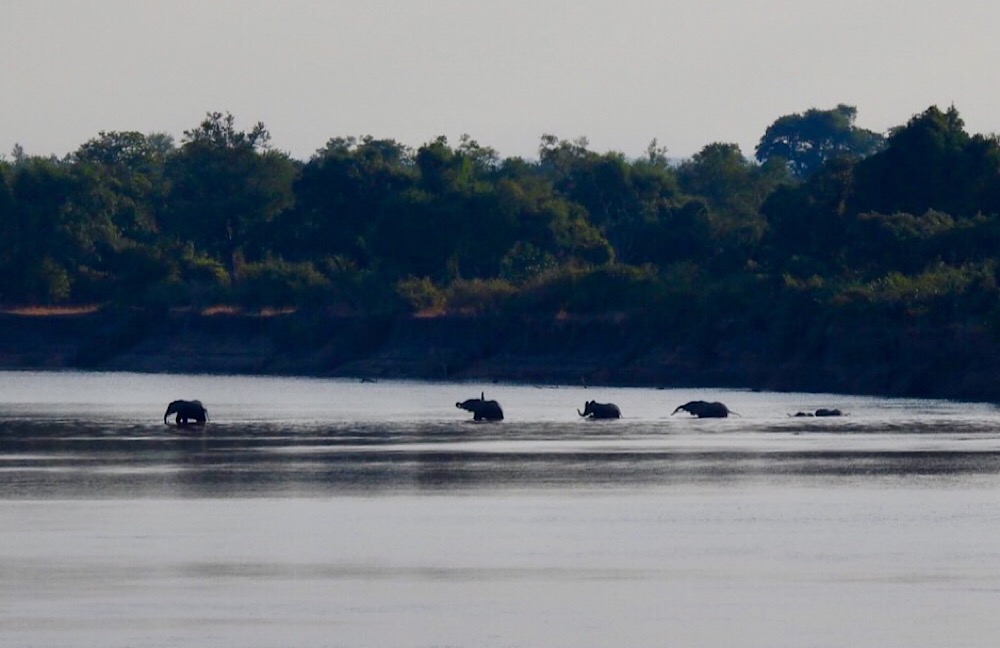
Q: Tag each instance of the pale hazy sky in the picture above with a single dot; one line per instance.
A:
(619, 72)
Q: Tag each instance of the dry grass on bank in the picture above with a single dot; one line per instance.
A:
(51, 311)
(236, 310)
(89, 309)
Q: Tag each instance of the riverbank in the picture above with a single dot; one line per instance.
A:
(919, 362)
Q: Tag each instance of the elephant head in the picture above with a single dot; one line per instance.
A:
(596, 410)
(186, 411)
(482, 409)
(703, 409)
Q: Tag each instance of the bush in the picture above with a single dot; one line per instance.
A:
(51, 281)
(278, 283)
(606, 289)
(525, 261)
(477, 296)
(421, 295)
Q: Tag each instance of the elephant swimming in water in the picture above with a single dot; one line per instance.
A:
(186, 411)
(596, 410)
(703, 409)
(482, 409)
(821, 412)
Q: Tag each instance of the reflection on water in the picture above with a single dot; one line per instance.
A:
(330, 513)
(42, 458)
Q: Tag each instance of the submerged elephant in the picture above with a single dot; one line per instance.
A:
(596, 410)
(482, 409)
(703, 409)
(820, 412)
(186, 411)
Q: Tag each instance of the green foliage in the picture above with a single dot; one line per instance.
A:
(226, 186)
(734, 189)
(341, 196)
(931, 163)
(941, 290)
(611, 288)
(832, 226)
(620, 199)
(49, 280)
(478, 296)
(127, 169)
(805, 141)
(275, 282)
(525, 261)
(420, 294)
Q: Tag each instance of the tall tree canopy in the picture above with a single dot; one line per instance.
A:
(931, 162)
(226, 185)
(371, 226)
(806, 140)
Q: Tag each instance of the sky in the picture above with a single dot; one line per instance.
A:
(621, 73)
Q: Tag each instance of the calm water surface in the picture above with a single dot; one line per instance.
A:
(334, 513)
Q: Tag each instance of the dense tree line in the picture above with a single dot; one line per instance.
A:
(829, 220)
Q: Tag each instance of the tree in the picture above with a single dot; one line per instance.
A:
(54, 223)
(128, 168)
(681, 232)
(621, 197)
(451, 224)
(931, 163)
(341, 195)
(808, 224)
(734, 189)
(125, 149)
(806, 140)
(734, 186)
(226, 186)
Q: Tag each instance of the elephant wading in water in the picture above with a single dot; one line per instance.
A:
(820, 412)
(703, 409)
(596, 410)
(187, 412)
(482, 409)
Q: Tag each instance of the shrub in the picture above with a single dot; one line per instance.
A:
(275, 282)
(605, 289)
(477, 296)
(525, 261)
(421, 295)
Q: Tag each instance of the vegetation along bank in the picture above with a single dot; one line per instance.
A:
(838, 259)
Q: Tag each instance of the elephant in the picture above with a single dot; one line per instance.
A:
(703, 409)
(482, 409)
(820, 412)
(186, 411)
(596, 410)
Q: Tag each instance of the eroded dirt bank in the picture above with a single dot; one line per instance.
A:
(960, 364)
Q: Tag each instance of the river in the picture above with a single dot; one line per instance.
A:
(312, 512)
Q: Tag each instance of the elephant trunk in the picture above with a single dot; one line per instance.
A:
(580, 413)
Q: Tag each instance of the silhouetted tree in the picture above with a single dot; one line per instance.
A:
(226, 186)
(806, 140)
